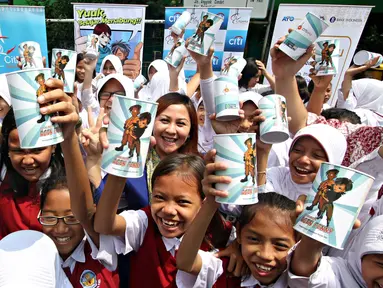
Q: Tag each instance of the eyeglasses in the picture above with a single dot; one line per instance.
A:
(53, 220)
(108, 95)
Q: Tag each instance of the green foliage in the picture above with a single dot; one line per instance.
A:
(372, 39)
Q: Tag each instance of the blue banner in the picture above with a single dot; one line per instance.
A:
(19, 24)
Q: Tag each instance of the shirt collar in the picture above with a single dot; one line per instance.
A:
(250, 281)
(77, 255)
(171, 244)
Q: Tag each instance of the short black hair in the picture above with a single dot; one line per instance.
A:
(336, 171)
(251, 70)
(342, 115)
(210, 21)
(344, 181)
(40, 75)
(65, 57)
(59, 182)
(134, 106)
(302, 88)
(332, 45)
(145, 115)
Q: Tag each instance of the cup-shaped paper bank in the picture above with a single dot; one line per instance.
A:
(333, 204)
(326, 58)
(130, 127)
(176, 54)
(30, 55)
(238, 151)
(35, 129)
(64, 67)
(204, 35)
(92, 45)
(297, 42)
(233, 66)
(181, 23)
(363, 56)
(140, 80)
(226, 97)
(275, 128)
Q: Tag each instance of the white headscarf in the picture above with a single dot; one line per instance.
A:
(369, 241)
(331, 139)
(30, 259)
(250, 95)
(125, 82)
(4, 91)
(116, 62)
(369, 94)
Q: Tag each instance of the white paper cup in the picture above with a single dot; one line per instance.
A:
(326, 59)
(275, 128)
(181, 23)
(333, 204)
(363, 56)
(130, 127)
(92, 45)
(238, 151)
(234, 66)
(226, 98)
(203, 38)
(140, 80)
(64, 67)
(175, 55)
(35, 130)
(297, 42)
(30, 55)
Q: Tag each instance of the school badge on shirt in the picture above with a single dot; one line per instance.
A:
(88, 279)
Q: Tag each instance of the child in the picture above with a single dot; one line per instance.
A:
(153, 234)
(362, 269)
(265, 234)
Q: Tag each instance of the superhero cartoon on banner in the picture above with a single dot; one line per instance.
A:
(119, 30)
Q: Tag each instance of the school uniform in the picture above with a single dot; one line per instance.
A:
(18, 213)
(87, 267)
(258, 88)
(336, 272)
(153, 262)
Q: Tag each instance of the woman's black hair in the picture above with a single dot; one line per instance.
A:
(60, 182)
(271, 200)
(302, 88)
(251, 70)
(20, 186)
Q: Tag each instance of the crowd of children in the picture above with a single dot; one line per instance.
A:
(165, 229)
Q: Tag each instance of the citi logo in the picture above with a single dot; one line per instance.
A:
(215, 60)
(174, 17)
(237, 40)
(288, 18)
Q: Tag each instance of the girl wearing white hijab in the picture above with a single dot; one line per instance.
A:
(362, 268)
(159, 81)
(205, 130)
(365, 99)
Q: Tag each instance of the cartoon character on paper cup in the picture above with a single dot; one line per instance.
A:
(30, 55)
(333, 204)
(35, 129)
(64, 67)
(239, 153)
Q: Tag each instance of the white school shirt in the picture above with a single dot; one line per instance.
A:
(105, 254)
(258, 88)
(88, 99)
(136, 225)
(279, 154)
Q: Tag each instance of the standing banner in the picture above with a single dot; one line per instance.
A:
(20, 24)
(120, 29)
(230, 40)
(346, 26)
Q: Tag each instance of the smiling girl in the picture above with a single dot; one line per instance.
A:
(265, 235)
(152, 235)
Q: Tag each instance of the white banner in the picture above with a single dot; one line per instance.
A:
(346, 25)
(121, 28)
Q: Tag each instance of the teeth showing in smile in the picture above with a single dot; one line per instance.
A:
(171, 140)
(263, 268)
(62, 239)
(302, 170)
(169, 223)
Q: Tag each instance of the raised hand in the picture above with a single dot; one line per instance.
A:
(80, 41)
(132, 67)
